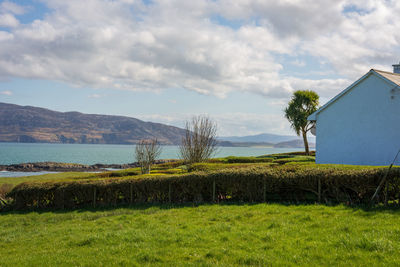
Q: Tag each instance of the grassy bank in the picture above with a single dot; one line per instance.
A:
(222, 235)
(280, 177)
(46, 177)
(268, 161)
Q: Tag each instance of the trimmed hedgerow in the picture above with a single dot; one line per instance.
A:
(296, 159)
(254, 184)
(247, 159)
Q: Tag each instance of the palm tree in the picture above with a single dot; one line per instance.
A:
(302, 105)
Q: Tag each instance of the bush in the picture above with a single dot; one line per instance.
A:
(4, 189)
(122, 173)
(296, 159)
(168, 165)
(254, 184)
(247, 160)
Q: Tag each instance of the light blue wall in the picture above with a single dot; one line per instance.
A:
(362, 127)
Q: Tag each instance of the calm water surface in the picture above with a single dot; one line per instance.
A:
(14, 153)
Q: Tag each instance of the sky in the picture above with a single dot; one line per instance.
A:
(164, 61)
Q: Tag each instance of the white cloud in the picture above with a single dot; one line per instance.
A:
(8, 20)
(11, 7)
(4, 36)
(127, 45)
(6, 92)
(324, 87)
(230, 124)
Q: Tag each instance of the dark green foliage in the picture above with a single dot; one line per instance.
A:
(168, 165)
(247, 159)
(122, 173)
(252, 184)
(297, 159)
(302, 105)
(4, 189)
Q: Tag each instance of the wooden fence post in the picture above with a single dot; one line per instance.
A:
(213, 192)
(319, 189)
(131, 193)
(169, 192)
(63, 198)
(94, 197)
(265, 191)
(386, 193)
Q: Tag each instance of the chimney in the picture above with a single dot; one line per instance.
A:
(396, 68)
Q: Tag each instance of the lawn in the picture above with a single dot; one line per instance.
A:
(205, 235)
(46, 177)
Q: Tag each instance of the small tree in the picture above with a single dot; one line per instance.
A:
(302, 105)
(146, 153)
(200, 140)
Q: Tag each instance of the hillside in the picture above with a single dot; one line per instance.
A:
(32, 124)
(264, 138)
(287, 144)
(293, 143)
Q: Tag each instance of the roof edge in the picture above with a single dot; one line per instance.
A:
(378, 73)
(313, 116)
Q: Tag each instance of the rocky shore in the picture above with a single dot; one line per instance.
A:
(70, 167)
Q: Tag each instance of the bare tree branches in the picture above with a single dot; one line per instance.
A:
(146, 153)
(200, 141)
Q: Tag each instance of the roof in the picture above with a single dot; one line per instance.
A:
(393, 78)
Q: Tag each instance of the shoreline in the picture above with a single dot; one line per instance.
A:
(71, 167)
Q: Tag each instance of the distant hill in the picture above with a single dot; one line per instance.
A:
(288, 144)
(244, 144)
(28, 124)
(264, 138)
(294, 143)
(32, 124)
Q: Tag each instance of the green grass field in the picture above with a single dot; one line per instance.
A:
(206, 235)
(46, 177)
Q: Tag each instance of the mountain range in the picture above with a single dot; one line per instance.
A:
(27, 124)
(32, 124)
(263, 138)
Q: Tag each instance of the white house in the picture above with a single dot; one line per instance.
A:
(361, 125)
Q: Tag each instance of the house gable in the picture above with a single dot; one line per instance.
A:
(388, 77)
(361, 128)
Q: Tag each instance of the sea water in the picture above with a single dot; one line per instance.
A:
(14, 153)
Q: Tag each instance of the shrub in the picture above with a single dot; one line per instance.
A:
(200, 140)
(247, 160)
(146, 154)
(123, 173)
(284, 160)
(168, 165)
(4, 189)
(253, 184)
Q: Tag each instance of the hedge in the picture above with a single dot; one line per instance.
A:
(255, 184)
(233, 159)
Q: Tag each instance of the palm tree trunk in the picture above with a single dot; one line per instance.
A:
(306, 143)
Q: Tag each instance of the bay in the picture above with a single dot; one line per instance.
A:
(7, 174)
(15, 153)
